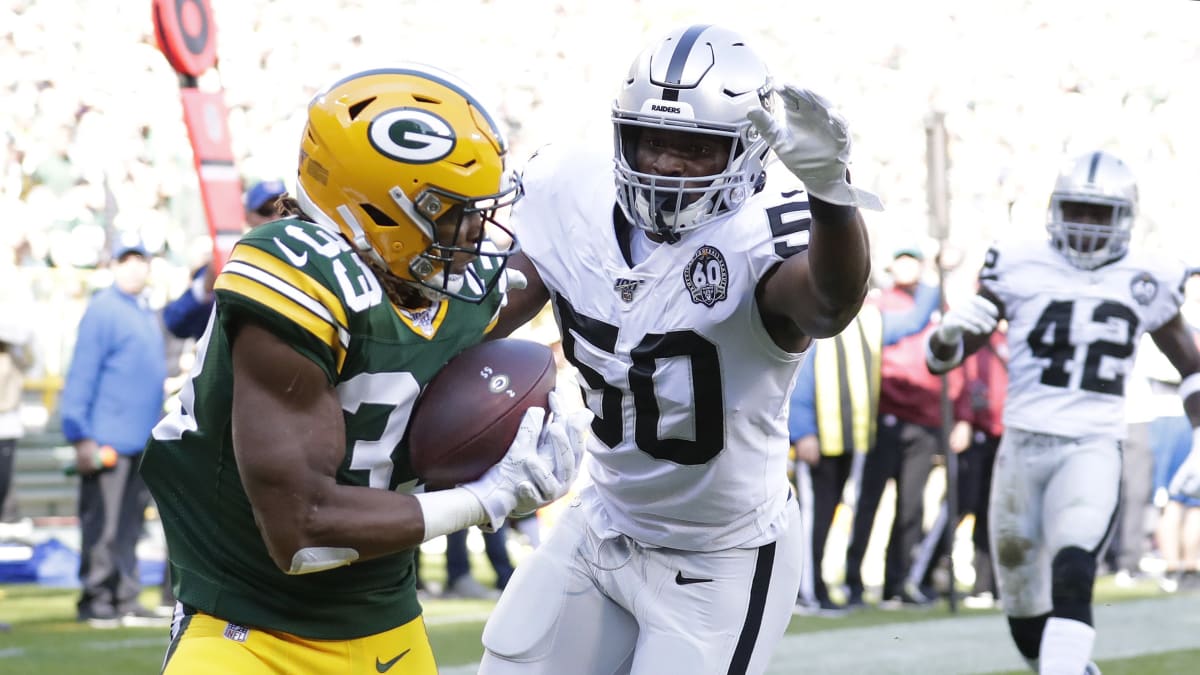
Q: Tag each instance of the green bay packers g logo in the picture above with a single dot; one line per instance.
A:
(411, 135)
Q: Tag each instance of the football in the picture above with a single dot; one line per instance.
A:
(469, 413)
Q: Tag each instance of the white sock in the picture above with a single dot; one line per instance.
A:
(1066, 646)
(1032, 663)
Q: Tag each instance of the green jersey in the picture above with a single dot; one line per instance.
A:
(305, 284)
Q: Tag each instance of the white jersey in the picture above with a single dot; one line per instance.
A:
(1073, 333)
(690, 393)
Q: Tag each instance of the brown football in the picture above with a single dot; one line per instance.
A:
(469, 413)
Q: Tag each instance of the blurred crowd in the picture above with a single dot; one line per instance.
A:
(93, 137)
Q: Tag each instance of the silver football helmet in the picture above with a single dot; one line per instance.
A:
(1101, 179)
(698, 79)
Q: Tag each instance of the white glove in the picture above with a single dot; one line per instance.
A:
(978, 316)
(814, 145)
(1187, 479)
(558, 457)
(497, 489)
(514, 280)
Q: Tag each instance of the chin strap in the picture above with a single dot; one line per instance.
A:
(669, 235)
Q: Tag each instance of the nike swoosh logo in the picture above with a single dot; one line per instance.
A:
(684, 581)
(383, 667)
(297, 259)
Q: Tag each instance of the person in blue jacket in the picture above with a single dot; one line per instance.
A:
(187, 315)
(112, 398)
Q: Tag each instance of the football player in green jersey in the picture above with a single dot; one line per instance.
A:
(284, 486)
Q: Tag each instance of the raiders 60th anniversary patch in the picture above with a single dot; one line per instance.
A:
(707, 276)
(1143, 287)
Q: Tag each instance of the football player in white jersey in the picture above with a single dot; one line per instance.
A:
(1076, 307)
(686, 300)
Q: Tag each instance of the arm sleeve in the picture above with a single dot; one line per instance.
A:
(79, 391)
(963, 405)
(898, 325)
(802, 420)
(187, 317)
(303, 306)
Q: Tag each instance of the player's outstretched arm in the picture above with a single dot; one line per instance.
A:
(817, 293)
(964, 329)
(1174, 339)
(521, 304)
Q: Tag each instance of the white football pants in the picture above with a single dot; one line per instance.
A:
(1048, 493)
(590, 606)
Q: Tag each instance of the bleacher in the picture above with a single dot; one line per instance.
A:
(40, 488)
(39, 485)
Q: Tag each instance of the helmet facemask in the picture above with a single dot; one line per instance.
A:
(1089, 232)
(433, 270)
(1092, 209)
(670, 206)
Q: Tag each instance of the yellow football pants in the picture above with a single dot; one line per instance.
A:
(204, 644)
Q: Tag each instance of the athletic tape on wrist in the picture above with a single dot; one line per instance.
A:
(447, 511)
(1189, 386)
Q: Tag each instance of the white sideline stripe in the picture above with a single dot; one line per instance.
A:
(966, 645)
(109, 645)
(97, 645)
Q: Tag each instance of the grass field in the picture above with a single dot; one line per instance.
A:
(46, 640)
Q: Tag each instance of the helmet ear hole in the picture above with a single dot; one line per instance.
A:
(356, 109)
(378, 216)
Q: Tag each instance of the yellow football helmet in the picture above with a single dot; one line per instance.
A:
(387, 152)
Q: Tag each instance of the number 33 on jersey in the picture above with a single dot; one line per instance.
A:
(1074, 333)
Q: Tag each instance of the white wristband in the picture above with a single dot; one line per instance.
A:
(1189, 386)
(447, 511)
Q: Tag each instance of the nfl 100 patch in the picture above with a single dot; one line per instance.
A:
(626, 288)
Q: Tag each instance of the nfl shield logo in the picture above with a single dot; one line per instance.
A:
(236, 633)
(626, 288)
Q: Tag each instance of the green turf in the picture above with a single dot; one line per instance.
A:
(1168, 663)
(1105, 592)
(45, 639)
